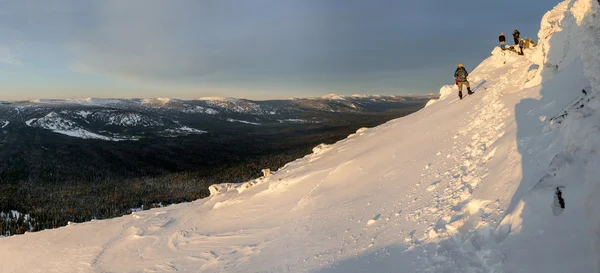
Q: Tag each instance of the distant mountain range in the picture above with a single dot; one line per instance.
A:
(133, 119)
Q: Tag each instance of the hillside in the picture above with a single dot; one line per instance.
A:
(460, 186)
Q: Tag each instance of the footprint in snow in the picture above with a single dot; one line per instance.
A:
(374, 220)
(433, 185)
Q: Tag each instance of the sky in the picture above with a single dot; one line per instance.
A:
(257, 49)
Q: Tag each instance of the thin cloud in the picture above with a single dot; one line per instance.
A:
(312, 44)
(7, 57)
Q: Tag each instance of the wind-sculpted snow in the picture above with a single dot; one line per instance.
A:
(460, 186)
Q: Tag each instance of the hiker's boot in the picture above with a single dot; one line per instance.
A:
(469, 91)
(460, 94)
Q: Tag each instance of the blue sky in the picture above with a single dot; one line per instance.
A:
(257, 49)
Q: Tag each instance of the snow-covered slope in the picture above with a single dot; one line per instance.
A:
(460, 186)
(57, 124)
(93, 124)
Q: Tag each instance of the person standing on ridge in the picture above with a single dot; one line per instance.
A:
(461, 75)
(516, 35)
(502, 40)
(521, 45)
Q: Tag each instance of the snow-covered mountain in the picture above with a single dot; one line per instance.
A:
(505, 180)
(109, 124)
(214, 105)
(134, 119)
(57, 124)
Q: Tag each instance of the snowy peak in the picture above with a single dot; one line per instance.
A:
(157, 101)
(332, 97)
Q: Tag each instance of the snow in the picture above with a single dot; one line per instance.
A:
(430, 102)
(4, 123)
(57, 124)
(182, 131)
(460, 186)
(84, 114)
(333, 97)
(242, 121)
(31, 121)
(125, 119)
(95, 101)
(157, 101)
(14, 215)
(211, 111)
(234, 105)
(200, 109)
(164, 100)
(296, 120)
(192, 130)
(130, 119)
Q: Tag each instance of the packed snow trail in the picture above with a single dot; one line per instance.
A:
(460, 186)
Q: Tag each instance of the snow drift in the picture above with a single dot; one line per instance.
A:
(461, 186)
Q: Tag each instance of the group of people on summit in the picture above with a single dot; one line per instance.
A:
(461, 74)
(518, 41)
